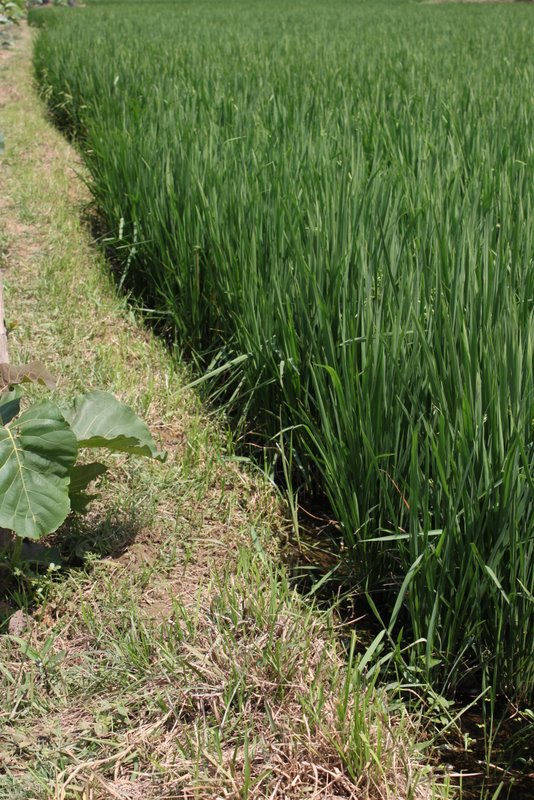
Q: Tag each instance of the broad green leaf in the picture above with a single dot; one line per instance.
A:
(98, 419)
(37, 452)
(9, 406)
(80, 501)
(80, 477)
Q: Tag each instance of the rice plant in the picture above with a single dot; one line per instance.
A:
(337, 198)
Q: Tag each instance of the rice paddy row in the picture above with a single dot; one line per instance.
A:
(334, 201)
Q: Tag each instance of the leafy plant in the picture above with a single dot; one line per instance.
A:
(11, 11)
(40, 481)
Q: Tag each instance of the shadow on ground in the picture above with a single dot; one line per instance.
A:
(77, 542)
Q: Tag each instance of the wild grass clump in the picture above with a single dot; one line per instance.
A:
(242, 693)
(338, 200)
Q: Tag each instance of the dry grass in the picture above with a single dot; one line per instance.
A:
(242, 696)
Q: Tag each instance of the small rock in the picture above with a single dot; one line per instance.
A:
(18, 623)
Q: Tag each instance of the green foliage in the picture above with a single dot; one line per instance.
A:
(337, 199)
(99, 420)
(40, 482)
(11, 11)
(37, 451)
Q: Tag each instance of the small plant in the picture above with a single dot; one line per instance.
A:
(40, 479)
(11, 11)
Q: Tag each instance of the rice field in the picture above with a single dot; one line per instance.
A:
(334, 202)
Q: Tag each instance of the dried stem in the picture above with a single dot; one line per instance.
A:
(4, 351)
